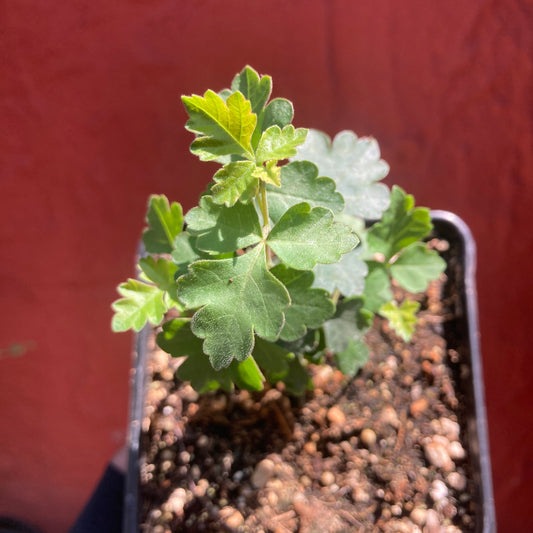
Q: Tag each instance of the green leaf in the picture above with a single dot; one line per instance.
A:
(254, 88)
(355, 165)
(165, 224)
(185, 252)
(300, 183)
(279, 112)
(352, 358)
(348, 275)
(224, 128)
(416, 267)
(349, 324)
(401, 225)
(402, 319)
(237, 297)
(223, 229)
(141, 303)
(235, 181)
(162, 273)
(377, 286)
(273, 359)
(305, 236)
(309, 307)
(246, 374)
(276, 144)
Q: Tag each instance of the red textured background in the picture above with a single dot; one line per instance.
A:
(92, 123)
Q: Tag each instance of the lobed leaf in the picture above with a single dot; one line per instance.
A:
(165, 223)
(223, 127)
(161, 272)
(255, 88)
(221, 229)
(377, 286)
(235, 181)
(276, 144)
(305, 236)
(402, 319)
(141, 303)
(237, 298)
(349, 324)
(355, 165)
(416, 267)
(309, 307)
(401, 225)
(352, 358)
(300, 183)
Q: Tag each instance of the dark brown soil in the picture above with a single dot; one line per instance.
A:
(383, 452)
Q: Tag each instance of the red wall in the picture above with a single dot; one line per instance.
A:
(92, 123)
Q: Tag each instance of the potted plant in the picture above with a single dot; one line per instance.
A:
(270, 295)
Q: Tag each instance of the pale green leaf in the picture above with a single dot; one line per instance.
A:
(300, 183)
(185, 252)
(352, 358)
(224, 128)
(377, 286)
(254, 88)
(355, 165)
(276, 144)
(235, 181)
(162, 273)
(402, 319)
(305, 236)
(401, 225)
(221, 229)
(348, 275)
(165, 223)
(309, 307)
(140, 303)
(237, 297)
(279, 112)
(416, 267)
(349, 324)
(269, 173)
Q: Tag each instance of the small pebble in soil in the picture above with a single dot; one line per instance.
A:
(436, 451)
(456, 481)
(438, 491)
(368, 437)
(264, 471)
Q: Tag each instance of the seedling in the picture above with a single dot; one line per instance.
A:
(275, 267)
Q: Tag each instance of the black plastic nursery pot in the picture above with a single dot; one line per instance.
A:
(461, 333)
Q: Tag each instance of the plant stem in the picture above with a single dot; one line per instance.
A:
(263, 205)
(335, 296)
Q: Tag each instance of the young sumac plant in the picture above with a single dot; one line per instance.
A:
(278, 264)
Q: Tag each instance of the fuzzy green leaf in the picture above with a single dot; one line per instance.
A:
(235, 181)
(305, 236)
(273, 359)
(224, 128)
(309, 307)
(254, 88)
(185, 253)
(223, 229)
(162, 273)
(237, 297)
(377, 286)
(355, 165)
(401, 225)
(141, 303)
(277, 144)
(279, 112)
(297, 380)
(416, 267)
(402, 319)
(300, 183)
(349, 324)
(165, 224)
(352, 358)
